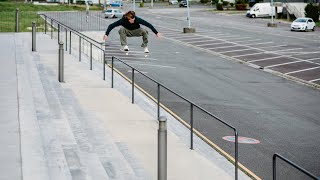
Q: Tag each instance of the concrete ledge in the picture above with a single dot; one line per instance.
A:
(189, 30)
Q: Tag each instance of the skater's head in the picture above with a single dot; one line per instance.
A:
(130, 15)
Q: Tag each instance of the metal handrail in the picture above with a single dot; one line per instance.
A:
(274, 167)
(92, 41)
(189, 101)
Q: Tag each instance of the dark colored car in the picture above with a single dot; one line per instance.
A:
(183, 3)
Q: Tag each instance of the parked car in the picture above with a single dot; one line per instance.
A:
(183, 3)
(115, 3)
(84, 2)
(113, 13)
(303, 24)
(173, 2)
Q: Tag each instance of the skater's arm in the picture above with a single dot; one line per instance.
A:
(143, 22)
(113, 25)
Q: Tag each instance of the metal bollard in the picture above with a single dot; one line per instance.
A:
(61, 62)
(17, 20)
(162, 148)
(33, 36)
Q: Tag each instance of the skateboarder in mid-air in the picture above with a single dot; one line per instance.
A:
(131, 28)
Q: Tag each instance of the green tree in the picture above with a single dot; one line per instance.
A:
(312, 11)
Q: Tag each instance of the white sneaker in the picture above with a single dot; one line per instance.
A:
(126, 48)
(146, 50)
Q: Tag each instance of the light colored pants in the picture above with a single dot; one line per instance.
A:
(124, 33)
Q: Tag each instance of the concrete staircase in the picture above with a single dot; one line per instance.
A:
(60, 140)
(297, 9)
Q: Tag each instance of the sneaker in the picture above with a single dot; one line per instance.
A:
(146, 50)
(126, 48)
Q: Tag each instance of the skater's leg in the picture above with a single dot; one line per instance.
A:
(123, 32)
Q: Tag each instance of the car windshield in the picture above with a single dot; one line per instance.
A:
(109, 11)
(300, 20)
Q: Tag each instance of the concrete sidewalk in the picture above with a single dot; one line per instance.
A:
(109, 119)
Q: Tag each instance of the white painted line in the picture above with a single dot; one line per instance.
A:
(136, 72)
(275, 65)
(313, 80)
(211, 44)
(247, 54)
(135, 58)
(272, 46)
(186, 38)
(223, 36)
(312, 59)
(257, 43)
(151, 65)
(235, 50)
(239, 38)
(224, 47)
(247, 40)
(308, 52)
(265, 59)
(287, 49)
(204, 40)
(302, 70)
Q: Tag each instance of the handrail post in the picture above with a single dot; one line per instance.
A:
(104, 68)
(158, 101)
(70, 42)
(111, 70)
(236, 154)
(79, 48)
(162, 148)
(132, 96)
(51, 29)
(274, 163)
(33, 36)
(61, 62)
(90, 56)
(191, 123)
(66, 39)
(45, 24)
(58, 32)
(17, 20)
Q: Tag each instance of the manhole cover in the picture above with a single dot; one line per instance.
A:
(241, 139)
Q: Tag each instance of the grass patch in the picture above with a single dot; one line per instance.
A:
(28, 14)
(318, 24)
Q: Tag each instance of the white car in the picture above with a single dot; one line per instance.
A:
(173, 2)
(113, 13)
(303, 24)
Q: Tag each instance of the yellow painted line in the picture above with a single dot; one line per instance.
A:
(205, 139)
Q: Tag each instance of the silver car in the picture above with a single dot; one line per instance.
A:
(113, 13)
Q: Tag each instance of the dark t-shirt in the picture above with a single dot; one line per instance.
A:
(126, 24)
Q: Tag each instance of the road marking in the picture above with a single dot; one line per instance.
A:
(235, 50)
(302, 70)
(204, 40)
(272, 46)
(239, 38)
(223, 47)
(312, 59)
(136, 72)
(313, 80)
(247, 54)
(287, 49)
(265, 59)
(257, 43)
(247, 40)
(136, 63)
(211, 44)
(275, 65)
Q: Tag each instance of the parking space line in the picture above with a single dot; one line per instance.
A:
(314, 80)
(312, 59)
(235, 50)
(287, 49)
(258, 43)
(264, 59)
(141, 64)
(275, 65)
(302, 70)
(247, 40)
(211, 44)
(239, 38)
(224, 47)
(247, 54)
(203, 40)
(227, 36)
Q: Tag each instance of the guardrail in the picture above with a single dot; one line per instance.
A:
(274, 167)
(61, 27)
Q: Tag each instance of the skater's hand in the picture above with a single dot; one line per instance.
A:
(105, 37)
(158, 35)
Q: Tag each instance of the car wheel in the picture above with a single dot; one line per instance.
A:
(113, 16)
(313, 28)
(253, 16)
(306, 29)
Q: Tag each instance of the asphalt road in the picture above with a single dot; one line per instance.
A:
(281, 113)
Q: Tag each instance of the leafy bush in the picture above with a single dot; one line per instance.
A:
(220, 7)
(231, 4)
(204, 1)
(312, 12)
(225, 3)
